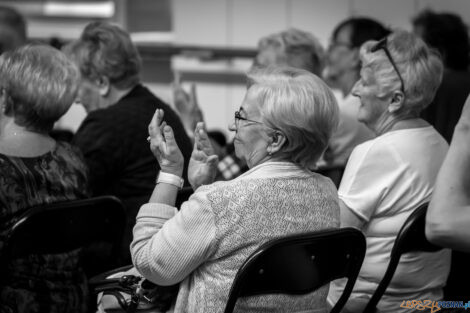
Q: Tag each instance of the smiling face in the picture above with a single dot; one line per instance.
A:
(373, 105)
(251, 140)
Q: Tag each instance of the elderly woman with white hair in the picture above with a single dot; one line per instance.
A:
(390, 176)
(38, 85)
(281, 129)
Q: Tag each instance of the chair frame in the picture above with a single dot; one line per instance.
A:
(261, 273)
(104, 217)
(410, 238)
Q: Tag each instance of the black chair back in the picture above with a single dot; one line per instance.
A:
(300, 264)
(411, 237)
(66, 226)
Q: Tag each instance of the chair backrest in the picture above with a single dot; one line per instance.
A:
(300, 264)
(65, 226)
(411, 237)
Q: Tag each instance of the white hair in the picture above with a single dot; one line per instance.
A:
(301, 106)
(420, 67)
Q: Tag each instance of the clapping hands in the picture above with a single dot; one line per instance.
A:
(163, 145)
(203, 164)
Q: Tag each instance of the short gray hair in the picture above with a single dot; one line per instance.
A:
(301, 106)
(105, 49)
(302, 49)
(40, 84)
(420, 67)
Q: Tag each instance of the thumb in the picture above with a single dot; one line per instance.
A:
(192, 95)
(212, 160)
(169, 135)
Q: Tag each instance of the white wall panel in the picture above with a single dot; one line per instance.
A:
(201, 22)
(318, 16)
(252, 19)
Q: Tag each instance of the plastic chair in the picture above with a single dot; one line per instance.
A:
(65, 226)
(300, 264)
(410, 238)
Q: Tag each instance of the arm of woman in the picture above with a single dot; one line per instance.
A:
(168, 246)
(349, 218)
(448, 216)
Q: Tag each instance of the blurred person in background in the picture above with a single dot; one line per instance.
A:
(113, 135)
(341, 73)
(38, 85)
(292, 47)
(12, 29)
(447, 33)
(281, 129)
(388, 177)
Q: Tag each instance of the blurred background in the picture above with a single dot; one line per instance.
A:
(209, 42)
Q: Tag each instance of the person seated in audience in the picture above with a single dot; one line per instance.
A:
(38, 85)
(119, 108)
(447, 33)
(448, 216)
(12, 29)
(341, 73)
(281, 129)
(388, 177)
(291, 47)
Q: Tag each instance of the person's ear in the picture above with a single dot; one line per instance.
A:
(278, 141)
(396, 101)
(104, 86)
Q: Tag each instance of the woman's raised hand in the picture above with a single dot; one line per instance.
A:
(164, 146)
(203, 164)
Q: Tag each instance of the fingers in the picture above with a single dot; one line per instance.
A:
(212, 160)
(154, 126)
(193, 96)
(201, 139)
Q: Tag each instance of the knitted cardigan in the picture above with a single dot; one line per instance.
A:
(205, 243)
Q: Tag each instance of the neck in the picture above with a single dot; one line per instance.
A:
(17, 141)
(389, 122)
(115, 95)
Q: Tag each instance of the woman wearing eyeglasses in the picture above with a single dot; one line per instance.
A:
(388, 177)
(281, 129)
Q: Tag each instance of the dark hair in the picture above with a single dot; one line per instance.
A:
(13, 27)
(105, 49)
(362, 29)
(447, 33)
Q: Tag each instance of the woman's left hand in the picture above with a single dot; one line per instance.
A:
(203, 164)
(164, 146)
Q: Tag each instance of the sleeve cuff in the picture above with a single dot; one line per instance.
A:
(157, 210)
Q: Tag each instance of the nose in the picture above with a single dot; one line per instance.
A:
(232, 126)
(356, 88)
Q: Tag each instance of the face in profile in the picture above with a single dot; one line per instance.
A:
(372, 105)
(269, 55)
(250, 139)
(340, 58)
(88, 95)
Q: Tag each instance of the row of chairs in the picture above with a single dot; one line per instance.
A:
(296, 264)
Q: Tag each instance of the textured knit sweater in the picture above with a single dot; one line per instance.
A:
(206, 242)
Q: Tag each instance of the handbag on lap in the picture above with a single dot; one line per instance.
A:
(125, 290)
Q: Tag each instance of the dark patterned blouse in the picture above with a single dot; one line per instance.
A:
(41, 283)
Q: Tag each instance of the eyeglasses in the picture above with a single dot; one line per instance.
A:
(382, 44)
(239, 118)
